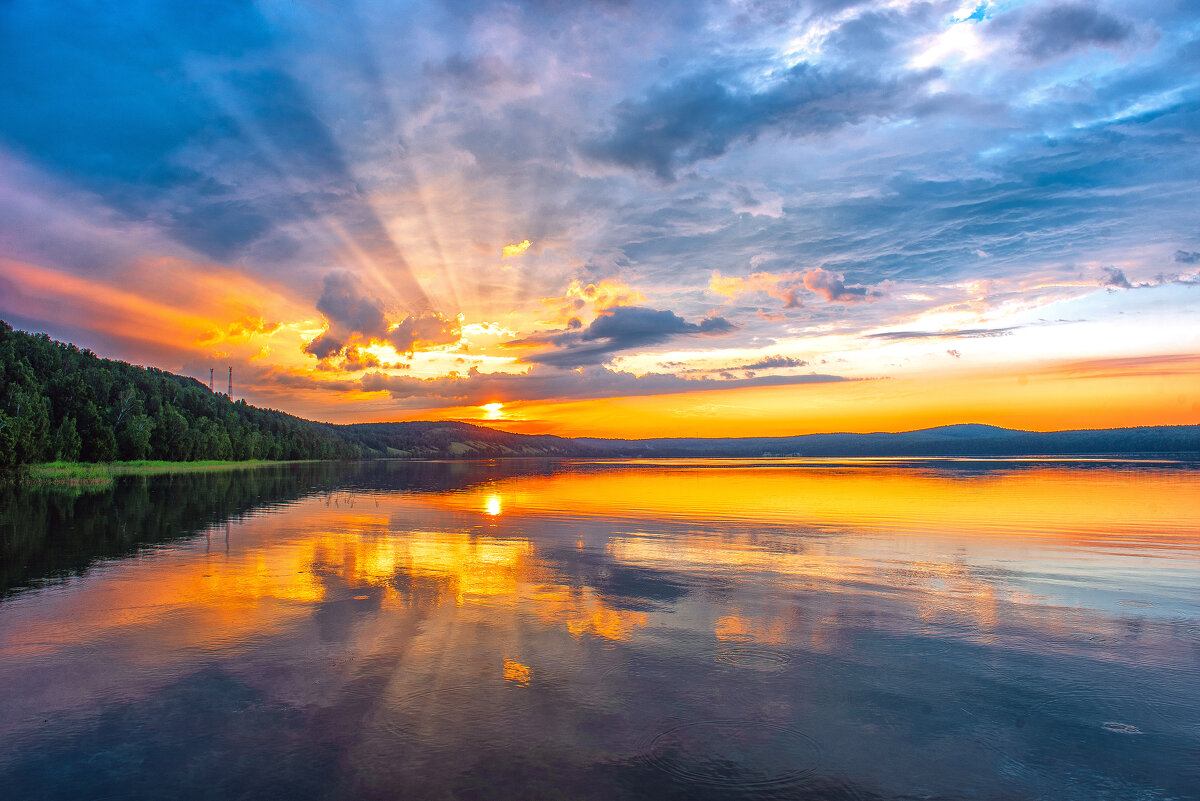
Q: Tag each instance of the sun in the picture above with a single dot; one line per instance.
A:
(495, 411)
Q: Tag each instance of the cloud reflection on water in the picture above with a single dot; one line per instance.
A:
(620, 596)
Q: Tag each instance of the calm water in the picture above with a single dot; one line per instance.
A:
(690, 630)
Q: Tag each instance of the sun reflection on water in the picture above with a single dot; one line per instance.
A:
(517, 673)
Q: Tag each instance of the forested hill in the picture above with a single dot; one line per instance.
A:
(58, 402)
(454, 440)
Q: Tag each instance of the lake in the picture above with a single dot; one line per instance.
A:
(784, 629)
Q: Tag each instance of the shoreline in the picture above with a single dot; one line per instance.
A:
(105, 472)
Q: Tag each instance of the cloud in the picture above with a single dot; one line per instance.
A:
(324, 346)
(783, 286)
(614, 330)
(700, 116)
(479, 73)
(1052, 30)
(1114, 278)
(508, 251)
(962, 333)
(346, 306)
(769, 362)
(1151, 365)
(353, 314)
(599, 295)
(787, 287)
(833, 288)
(605, 294)
(239, 331)
(428, 329)
(358, 359)
(1187, 256)
(749, 368)
(543, 383)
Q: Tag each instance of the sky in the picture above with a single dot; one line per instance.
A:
(618, 218)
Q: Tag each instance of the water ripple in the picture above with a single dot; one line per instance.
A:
(741, 755)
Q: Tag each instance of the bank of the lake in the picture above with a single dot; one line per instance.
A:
(103, 472)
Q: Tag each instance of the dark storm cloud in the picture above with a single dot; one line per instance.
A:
(1054, 29)
(543, 383)
(701, 116)
(615, 330)
(1187, 256)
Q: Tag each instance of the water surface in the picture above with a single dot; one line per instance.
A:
(680, 629)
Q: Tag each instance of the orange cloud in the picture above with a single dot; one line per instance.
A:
(589, 299)
(783, 286)
(239, 331)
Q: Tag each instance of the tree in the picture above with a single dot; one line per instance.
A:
(133, 441)
(67, 442)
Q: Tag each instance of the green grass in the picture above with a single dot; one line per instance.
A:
(105, 472)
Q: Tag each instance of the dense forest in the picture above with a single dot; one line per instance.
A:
(60, 403)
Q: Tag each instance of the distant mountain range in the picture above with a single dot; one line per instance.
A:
(465, 441)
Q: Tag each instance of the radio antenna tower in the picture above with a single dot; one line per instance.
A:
(210, 379)
(230, 393)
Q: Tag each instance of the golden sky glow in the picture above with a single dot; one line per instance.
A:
(895, 385)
